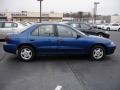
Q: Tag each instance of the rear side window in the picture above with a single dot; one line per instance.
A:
(7, 25)
(115, 25)
(44, 30)
(35, 32)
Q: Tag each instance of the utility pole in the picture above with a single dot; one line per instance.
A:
(95, 11)
(40, 20)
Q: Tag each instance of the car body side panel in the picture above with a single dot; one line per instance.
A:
(44, 45)
(72, 45)
(57, 45)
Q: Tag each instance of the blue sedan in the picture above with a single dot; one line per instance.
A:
(44, 39)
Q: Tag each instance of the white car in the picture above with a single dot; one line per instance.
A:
(10, 27)
(115, 27)
(101, 26)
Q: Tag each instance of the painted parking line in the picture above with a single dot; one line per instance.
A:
(58, 87)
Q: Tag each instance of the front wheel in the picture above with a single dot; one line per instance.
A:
(26, 53)
(100, 35)
(97, 52)
(119, 29)
(108, 29)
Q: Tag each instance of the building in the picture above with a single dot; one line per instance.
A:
(115, 19)
(108, 19)
(31, 16)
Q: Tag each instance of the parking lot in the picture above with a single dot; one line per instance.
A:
(61, 72)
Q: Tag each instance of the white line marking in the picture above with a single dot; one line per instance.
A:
(58, 87)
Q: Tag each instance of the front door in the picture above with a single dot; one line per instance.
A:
(68, 43)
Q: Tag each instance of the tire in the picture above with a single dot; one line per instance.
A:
(108, 29)
(97, 53)
(100, 35)
(26, 53)
(119, 29)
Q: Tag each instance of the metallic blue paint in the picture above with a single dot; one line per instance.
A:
(56, 44)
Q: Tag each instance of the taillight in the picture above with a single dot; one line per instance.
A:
(7, 38)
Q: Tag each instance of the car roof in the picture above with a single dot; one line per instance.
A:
(51, 23)
(73, 22)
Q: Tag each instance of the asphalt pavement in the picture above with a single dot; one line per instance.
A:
(61, 72)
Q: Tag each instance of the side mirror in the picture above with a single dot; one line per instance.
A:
(78, 36)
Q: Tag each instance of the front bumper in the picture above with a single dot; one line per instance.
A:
(111, 49)
(107, 36)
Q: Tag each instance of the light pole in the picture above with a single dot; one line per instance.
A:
(95, 11)
(40, 9)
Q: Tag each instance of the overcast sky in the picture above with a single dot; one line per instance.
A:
(106, 7)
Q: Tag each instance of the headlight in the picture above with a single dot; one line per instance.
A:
(112, 43)
(106, 32)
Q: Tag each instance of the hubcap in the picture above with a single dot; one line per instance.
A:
(98, 53)
(26, 53)
(100, 35)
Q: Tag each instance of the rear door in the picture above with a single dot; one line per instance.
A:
(43, 37)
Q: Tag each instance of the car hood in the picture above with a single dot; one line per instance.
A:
(97, 39)
(97, 30)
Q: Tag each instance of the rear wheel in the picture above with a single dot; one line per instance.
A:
(108, 29)
(97, 52)
(26, 53)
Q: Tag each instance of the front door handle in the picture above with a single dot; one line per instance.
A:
(32, 40)
(60, 40)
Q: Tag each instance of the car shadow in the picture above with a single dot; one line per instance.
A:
(60, 58)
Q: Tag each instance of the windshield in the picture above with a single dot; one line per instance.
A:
(79, 31)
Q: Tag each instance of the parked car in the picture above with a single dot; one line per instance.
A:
(101, 26)
(44, 39)
(27, 24)
(114, 27)
(86, 28)
(10, 27)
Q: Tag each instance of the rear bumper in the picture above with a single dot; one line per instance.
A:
(10, 48)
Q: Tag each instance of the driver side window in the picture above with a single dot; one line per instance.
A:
(64, 31)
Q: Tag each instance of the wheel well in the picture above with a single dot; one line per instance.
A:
(100, 33)
(108, 27)
(26, 44)
(99, 44)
